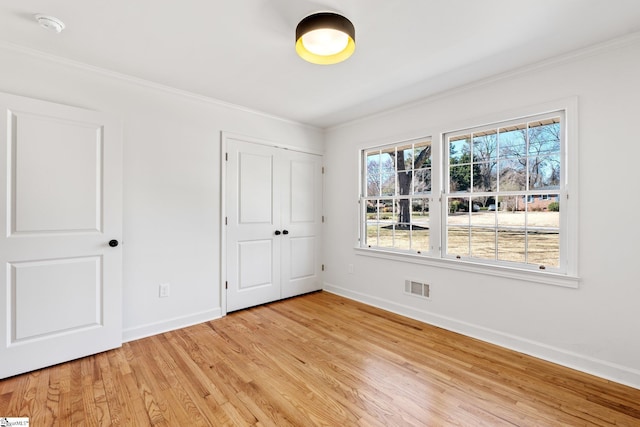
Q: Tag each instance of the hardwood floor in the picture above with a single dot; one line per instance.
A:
(318, 359)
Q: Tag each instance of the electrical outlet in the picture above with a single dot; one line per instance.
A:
(163, 291)
(350, 268)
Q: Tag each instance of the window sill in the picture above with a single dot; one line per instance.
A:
(546, 278)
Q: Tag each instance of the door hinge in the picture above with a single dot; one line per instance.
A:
(322, 218)
(225, 221)
(226, 285)
(322, 267)
(323, 169)
(226, 157)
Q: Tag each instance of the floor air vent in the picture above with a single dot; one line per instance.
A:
(416, 288)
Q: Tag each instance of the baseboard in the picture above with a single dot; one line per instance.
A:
(586, 364)
(150, 329)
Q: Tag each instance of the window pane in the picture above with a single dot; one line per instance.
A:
(458, 241)
(372, 233)
(422, 155)
(459, 178)
(544, 137)
(371, 224)
(385, 210)
(543, 211)
(420, 239)
(543, 248)
(373, 174)
(511, 244)
(512, 142)
(483, 243)
(404, 182)
(420, 224)
(511, 219)
(405, 157)
(385, 236)
(372, 210)
(402, 237)
(458, 226)
(388, 182)
(485, 146)
(458, 211)
(480, 215)
(459, 149)
(544, 172)
(513, 175)
(543, 226)
(422, 181)
(510, 204)
(485, 176)
(420, 212)
(403, 211)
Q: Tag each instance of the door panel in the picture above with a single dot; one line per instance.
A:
(302, 193)
(303, 257)
(61, 192)
(255, 264)
(31, 302)
(71, 198)
(255, 176)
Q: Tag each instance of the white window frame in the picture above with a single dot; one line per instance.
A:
(531, 196)
(566, 275)
(427, 195)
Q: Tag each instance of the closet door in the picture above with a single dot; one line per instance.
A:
(272, 223)
(252, 220)
(301, 218)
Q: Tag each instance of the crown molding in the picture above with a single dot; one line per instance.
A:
(553, 61)
(145, 83)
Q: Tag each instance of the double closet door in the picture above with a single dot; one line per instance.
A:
(273, 218)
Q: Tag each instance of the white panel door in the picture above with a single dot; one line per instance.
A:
(61, 191)
(273, 221)
(253, 248)
(301, 218)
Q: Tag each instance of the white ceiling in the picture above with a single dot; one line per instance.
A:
(242, 51)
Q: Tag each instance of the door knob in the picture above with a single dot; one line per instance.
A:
(277, 232)
(285, 231)
(113, 243)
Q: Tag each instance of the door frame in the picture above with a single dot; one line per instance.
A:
(224, 138)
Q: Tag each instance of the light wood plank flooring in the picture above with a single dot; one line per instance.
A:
(314, 360)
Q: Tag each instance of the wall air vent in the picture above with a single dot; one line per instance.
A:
(419, 289)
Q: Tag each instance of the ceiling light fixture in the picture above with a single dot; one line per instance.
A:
(325, 38)
(50, 22)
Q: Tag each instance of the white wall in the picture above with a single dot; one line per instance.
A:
(171, 181)
(595, 328)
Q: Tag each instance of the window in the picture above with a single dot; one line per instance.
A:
(496, 199)
(396, 201)
(505, 164)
